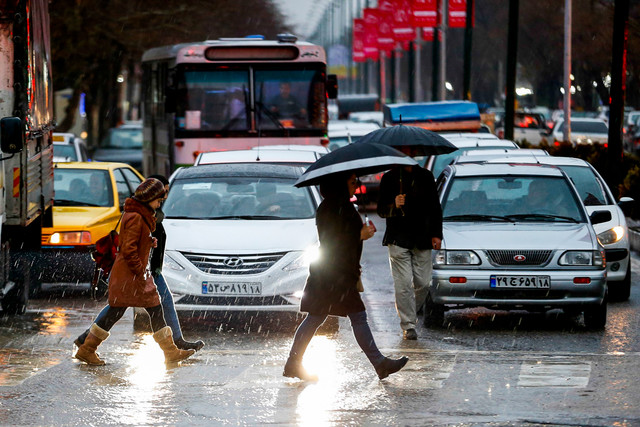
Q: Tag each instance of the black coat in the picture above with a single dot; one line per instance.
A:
(420, 219)
(332, 284)
(157, 254)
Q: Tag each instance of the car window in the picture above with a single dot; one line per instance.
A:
(225, 197)
(82, 187)
(123, 138)
(122, 186)
(133, 179)
(511, 196)
(66, 151)
(586, 127)
(441, 161)
(589, 186)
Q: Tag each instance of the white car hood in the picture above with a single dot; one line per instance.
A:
(460, 235)
(240, 236)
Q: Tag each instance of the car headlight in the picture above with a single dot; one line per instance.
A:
(446, 257)
(171, 263)
(71, 238)
(611, 236)
(309, 255)
(595, 258)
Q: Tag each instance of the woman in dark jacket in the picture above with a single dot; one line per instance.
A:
(332, 286)
(130, 281)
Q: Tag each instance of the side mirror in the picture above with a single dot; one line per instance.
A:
(598, 217)
(626, 204)
(11, 135)
(332, 86)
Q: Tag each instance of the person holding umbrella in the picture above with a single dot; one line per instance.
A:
(332, 286)
(408, 199)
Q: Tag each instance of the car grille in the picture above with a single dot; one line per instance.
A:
(233, 264)
(231, 301)
(507, 257)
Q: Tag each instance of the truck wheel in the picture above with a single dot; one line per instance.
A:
(433, 313)
(595, 317)
(620, 291)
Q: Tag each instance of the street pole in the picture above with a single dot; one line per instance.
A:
(383, 77)
(468, 38)
(435, 61)
(566, 133)
(443, 53)
(411, 66)
(618, 84)
(396, 74)
(512, 61)
(417, 66)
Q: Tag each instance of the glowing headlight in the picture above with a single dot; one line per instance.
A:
(611, 236)
(309, 255)
(171, 263)
(595, 258)
(71, 238)
(445, 257)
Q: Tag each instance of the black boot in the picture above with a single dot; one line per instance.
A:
(389, 366)
(80, 340)
(188, 345)
(293, 369)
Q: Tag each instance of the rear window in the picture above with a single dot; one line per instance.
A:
(443, 160)
(66, 151)
(586, 127)
(123, 138)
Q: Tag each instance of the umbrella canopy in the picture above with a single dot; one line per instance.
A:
(422, 141)
(361, 159)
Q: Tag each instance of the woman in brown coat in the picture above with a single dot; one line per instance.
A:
(130, 282)
(332, 286)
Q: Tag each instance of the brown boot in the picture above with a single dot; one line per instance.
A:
(164, 338)
(87, 351)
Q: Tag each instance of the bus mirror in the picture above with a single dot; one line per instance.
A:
(332, 86)
(11, 135)
(170, 101)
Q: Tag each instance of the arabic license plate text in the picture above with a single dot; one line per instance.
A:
(540, 282)
(243, 288)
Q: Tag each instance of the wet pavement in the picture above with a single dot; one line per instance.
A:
(484, 368)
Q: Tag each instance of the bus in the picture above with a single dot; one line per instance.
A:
(232, 94)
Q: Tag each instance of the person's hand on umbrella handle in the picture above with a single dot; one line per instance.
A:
(367, 232)
(400, 199)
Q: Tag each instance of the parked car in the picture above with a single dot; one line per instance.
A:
(240, 237)
(343, 132)
(89, 197)
(583, 131)
(613, 234)
(67, 147)
(481, 156)
(291, 157)
(122, 144)
(376, 117)
(351, 103)
(517, 237)
(530, 127)
(464, 142)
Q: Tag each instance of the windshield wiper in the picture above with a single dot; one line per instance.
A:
(478, 217)
(535, 216)
(270, 115)
(64, 202)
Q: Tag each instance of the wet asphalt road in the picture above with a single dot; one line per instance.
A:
(484, 368)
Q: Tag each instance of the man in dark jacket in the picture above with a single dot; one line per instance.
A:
(409, 202)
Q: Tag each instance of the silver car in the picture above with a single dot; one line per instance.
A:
(516, 237)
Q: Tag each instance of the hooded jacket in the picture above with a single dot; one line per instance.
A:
(130, 282)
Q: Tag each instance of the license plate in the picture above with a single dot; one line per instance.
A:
(535, 282)
(243, 288)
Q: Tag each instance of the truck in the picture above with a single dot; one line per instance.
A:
(26, 144)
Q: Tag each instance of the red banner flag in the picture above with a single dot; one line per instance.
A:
(424, 13)
(402, 29)
(386, 41)
(457, 13)
(370, 17)
(358, 41)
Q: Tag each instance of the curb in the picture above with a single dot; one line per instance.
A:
(634, 239)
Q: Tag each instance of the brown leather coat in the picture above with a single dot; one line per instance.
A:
(130, 282)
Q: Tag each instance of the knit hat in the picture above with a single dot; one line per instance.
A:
(149, 190)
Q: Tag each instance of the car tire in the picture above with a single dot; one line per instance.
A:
(141, 320)
(433, 313)
(620, 291)
(595, 316)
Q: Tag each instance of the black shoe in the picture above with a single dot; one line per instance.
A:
(294, 369)
(390, 366)
(188, 345)
(410, 334)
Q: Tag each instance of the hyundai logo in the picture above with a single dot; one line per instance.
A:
(519, 258)
(233, 261)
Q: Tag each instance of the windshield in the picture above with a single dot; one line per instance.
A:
(586, 127)
(589, 186)
(442, 160)
(66, 151)
(82, 187)
(511, 198)
(286, 98)
(238, 198)
(123, 138)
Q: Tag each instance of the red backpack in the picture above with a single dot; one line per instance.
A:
(104, 255)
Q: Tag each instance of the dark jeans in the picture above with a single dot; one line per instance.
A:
(361, 330)
(113, 314)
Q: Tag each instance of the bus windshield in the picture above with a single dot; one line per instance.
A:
(289, 97)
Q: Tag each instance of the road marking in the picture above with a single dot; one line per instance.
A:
(554, 372)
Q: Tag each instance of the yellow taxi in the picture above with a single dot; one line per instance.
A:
(89, 197)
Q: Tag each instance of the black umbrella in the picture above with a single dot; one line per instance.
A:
(423, 142)
(361, 159)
